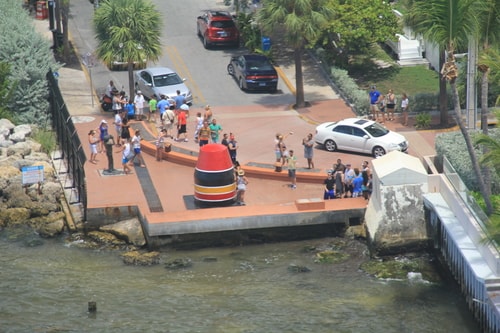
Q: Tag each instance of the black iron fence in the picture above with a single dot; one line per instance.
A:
(69, 143)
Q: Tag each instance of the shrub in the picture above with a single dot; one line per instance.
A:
(46, 138)
(423, 120)
(348, 87)
(452, 145)
(30, 58)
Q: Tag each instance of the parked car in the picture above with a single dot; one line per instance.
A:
(361, 136)
(217, 27)
(253, 72)
(159, 81)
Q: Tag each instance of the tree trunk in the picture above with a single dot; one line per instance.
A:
(484, 120)
(299, 79)
(443, 96)
(470, 148)
(130, 68)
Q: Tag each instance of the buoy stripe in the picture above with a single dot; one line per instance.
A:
(214, 198)
(214, 171)
(215, 189)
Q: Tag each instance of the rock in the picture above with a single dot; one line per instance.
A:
(138, 258)
(20, 149)
(105, 238)
(50, 225)
(14, 216)
(178, 263)
(298, 269)
(20, 133)
(330, 257)
(128, 230)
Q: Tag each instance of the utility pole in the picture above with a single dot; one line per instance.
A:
(471, 100)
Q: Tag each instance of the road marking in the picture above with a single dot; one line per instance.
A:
(181, 68)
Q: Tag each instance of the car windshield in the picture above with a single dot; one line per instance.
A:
(259, 65)
(167, 80)
(376, 130)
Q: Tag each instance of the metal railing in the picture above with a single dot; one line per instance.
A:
(69, 143)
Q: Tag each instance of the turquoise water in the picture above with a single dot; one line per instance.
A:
(47, 288)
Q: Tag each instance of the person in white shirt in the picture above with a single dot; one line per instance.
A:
(139, 105)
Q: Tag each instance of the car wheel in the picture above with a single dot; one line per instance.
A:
(378, 151)
(240, 83)
(230, 69)
(206, 43)
(198, 32)
(330, 145)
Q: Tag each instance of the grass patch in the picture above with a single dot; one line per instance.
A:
(412, 80)
(46, 138)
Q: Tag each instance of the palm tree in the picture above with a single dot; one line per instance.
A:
(128, 30)
(301, 22)
(450, 24)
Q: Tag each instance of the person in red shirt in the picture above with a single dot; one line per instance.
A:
(181, 126)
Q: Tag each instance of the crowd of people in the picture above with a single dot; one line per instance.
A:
(171, 117)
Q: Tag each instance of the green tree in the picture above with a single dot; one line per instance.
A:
(357, 24)
(299, 22)
(450, 24)
(128, 30)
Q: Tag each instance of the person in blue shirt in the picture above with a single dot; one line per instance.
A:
(179, 100)
(374, 101)
(130, 109)
(357, 184)
(162, 106)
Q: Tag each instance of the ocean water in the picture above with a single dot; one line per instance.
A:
(47, 288)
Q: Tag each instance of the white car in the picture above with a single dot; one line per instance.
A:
(161, 81)
(360, 136)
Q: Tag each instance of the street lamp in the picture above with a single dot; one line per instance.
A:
(89, 60)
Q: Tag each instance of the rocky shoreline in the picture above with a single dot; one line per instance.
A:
(39, 206)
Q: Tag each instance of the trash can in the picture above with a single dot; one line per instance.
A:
(266, 43)
(41, 10)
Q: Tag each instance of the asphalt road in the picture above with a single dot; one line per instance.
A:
(204, 70)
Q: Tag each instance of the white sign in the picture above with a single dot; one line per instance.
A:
(32, 174)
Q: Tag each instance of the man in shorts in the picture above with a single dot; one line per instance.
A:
(181, 126)
(374, 100)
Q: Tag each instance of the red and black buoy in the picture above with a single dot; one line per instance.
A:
(214, 181)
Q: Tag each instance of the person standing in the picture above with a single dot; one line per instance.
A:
(225, 139)
(125, 132)
(215, 130)
(308, 144)
(241, 187)
(162, 106)
(136, 144)
(118, 101)
(339, 166)
(152, 108)
(181, 125)
(391, 104)
(329, 184)
(160, 144)
(179, 100)
(103, 132)
(357, 184)
(168, 121)
(405, 108)
(374, 97)
(339, 183)
(204, 134)
(139, 105)
(93, 141)
(198, 126)
(381, 107)
(348, 178)
(208, 113)
(118, 127)
(126, 153)
(232, 147)
(291, 161)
